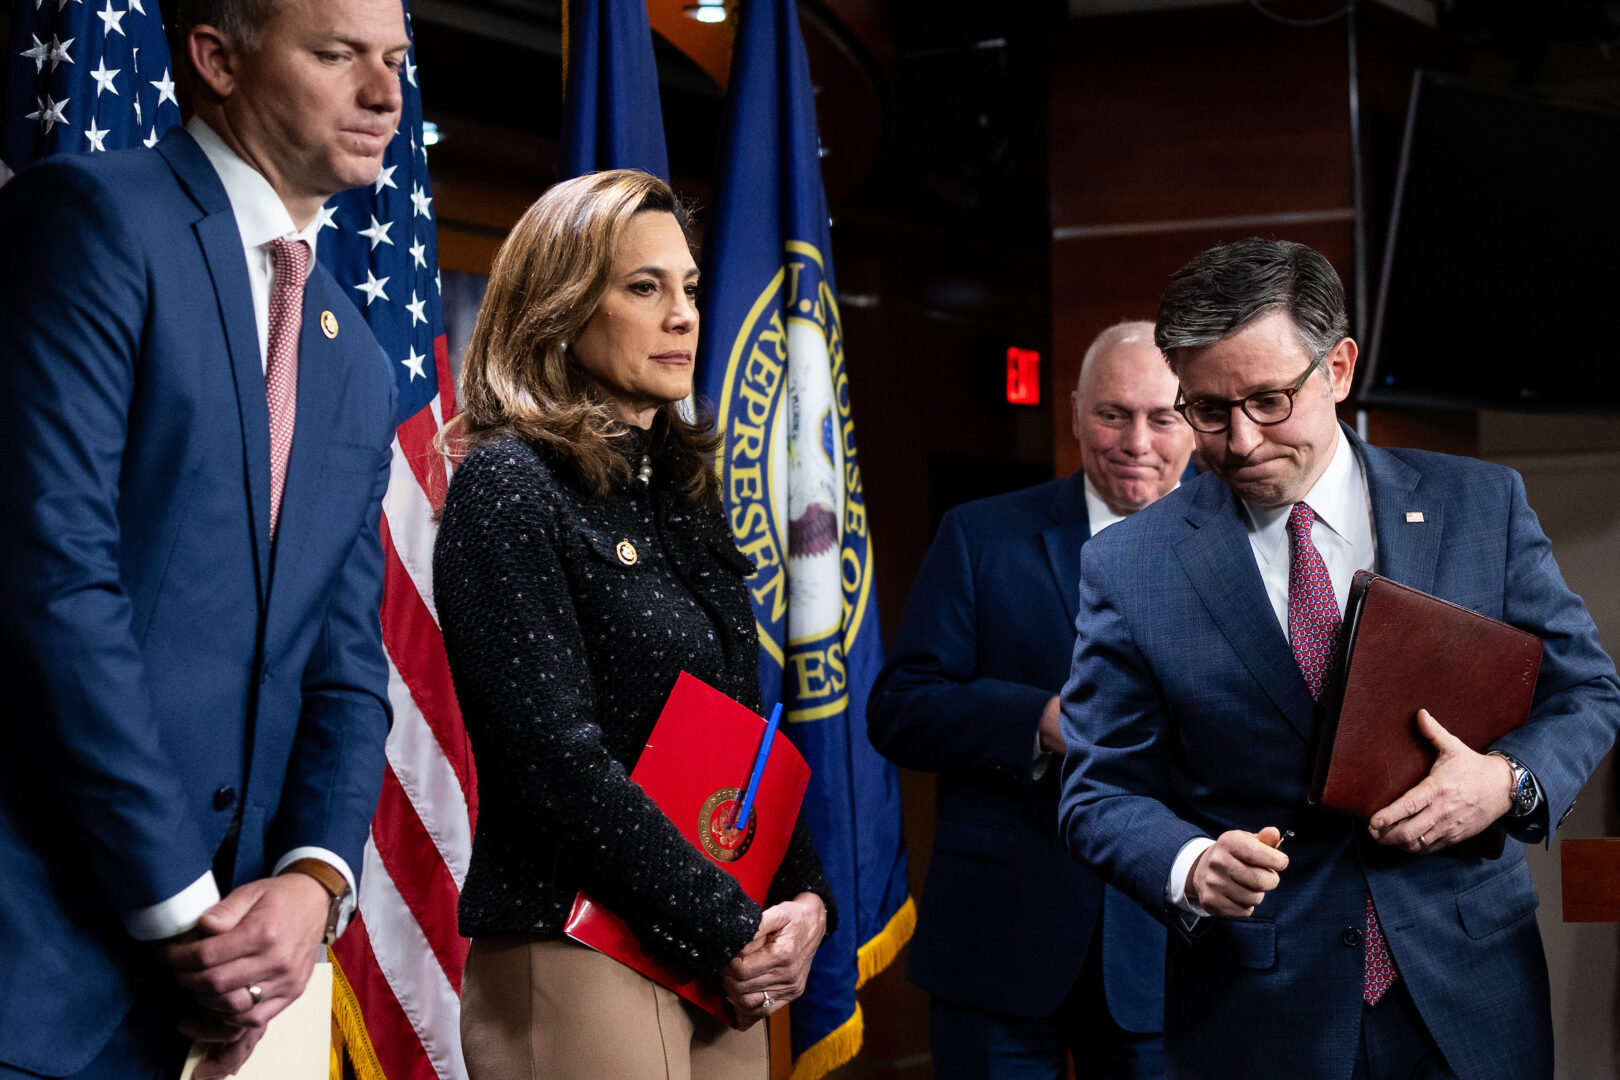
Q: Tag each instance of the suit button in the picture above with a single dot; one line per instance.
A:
(225, 798)
(1351, 936)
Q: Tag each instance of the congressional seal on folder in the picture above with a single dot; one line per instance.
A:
(1402, 650)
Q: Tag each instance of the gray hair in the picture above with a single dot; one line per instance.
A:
(239, 20)
(1230, 286)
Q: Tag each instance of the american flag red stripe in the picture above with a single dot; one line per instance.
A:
(394, 1049)
(404, 957)
(408, 854)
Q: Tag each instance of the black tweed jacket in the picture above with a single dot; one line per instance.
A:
(567, 620)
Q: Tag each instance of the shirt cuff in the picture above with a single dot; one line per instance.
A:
(337, 862)
(1043, 760)
(175, 915)
(1175, 890)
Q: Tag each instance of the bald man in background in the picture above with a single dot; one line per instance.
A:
(1025, 953)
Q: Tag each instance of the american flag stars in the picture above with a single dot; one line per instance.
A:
(104, 78)
(49, 113)
(373, 288)
(378, 233)
(420, 201)
(76, 56)
(112, 20)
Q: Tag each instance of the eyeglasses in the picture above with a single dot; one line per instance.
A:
(1211, 415)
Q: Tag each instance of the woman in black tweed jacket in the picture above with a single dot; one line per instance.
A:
(582, 563)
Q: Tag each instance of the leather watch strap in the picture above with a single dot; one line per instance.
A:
(333, 881)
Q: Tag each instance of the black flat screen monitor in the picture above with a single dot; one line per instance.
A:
(1501, 282)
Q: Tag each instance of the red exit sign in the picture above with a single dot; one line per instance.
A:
(1023, 377)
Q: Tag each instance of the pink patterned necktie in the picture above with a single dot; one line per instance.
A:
(289, 260)
(1313, 628)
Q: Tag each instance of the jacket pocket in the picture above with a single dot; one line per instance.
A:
(348, 457)
(1242, 943)
(1497, 902)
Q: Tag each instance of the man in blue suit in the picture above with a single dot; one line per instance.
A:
(1025, 953)
(1360, 949)
(190, 560)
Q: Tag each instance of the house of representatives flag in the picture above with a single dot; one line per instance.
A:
(771, 363)
(78, 80)
(611, 118)
(397, 970)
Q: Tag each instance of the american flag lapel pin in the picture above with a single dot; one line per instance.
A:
(1414, 517)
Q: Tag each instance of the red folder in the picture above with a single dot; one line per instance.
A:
(695, 767)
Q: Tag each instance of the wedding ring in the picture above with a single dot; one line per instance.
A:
(1423, 841)
(767, 999)
(255, 995)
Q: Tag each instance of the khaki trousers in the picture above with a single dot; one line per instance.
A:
(555, 1010)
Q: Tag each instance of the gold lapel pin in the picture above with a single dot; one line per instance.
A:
(329, 324)
(1414, 517)
(627, 553)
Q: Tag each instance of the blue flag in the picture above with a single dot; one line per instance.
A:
(771, 363)
(612, 118)
(84, 81)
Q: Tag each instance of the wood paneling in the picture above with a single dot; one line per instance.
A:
(1176, 131)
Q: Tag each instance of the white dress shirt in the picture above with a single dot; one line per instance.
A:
(1343, 534)
(1097, 512)
(262, 217)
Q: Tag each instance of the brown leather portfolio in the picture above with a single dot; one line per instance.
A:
(1403, 650)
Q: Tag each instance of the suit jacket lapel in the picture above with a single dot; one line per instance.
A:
(1219, 564)
(1408, 551)
(1070, 530)
(221, 243)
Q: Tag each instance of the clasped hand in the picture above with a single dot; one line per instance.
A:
(265, 934)
(772, 968)
(1463, 794)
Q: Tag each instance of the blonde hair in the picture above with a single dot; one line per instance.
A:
(549, 278)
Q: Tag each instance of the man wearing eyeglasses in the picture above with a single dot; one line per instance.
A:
(1368, 950)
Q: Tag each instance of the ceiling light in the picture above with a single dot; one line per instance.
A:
(706, 11)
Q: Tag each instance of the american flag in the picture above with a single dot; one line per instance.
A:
(82, 80)
(398, 968)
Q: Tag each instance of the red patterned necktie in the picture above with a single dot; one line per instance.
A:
(1313, 628)
(289, 260)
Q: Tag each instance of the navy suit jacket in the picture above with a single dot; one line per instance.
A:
(1186, 716)
(168, 670)
(1006, 915)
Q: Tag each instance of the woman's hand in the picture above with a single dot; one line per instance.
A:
(771, 969)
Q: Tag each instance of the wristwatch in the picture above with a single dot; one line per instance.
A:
(1524, 794)
(336, 886)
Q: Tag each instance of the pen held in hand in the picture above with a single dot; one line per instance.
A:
(747, 805)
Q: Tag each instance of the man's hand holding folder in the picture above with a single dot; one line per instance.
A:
(1464, 794)
(1422, 782)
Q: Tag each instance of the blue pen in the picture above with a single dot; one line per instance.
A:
(759, 768)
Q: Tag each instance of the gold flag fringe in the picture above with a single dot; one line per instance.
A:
(350, 1030)
(841, 1044)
